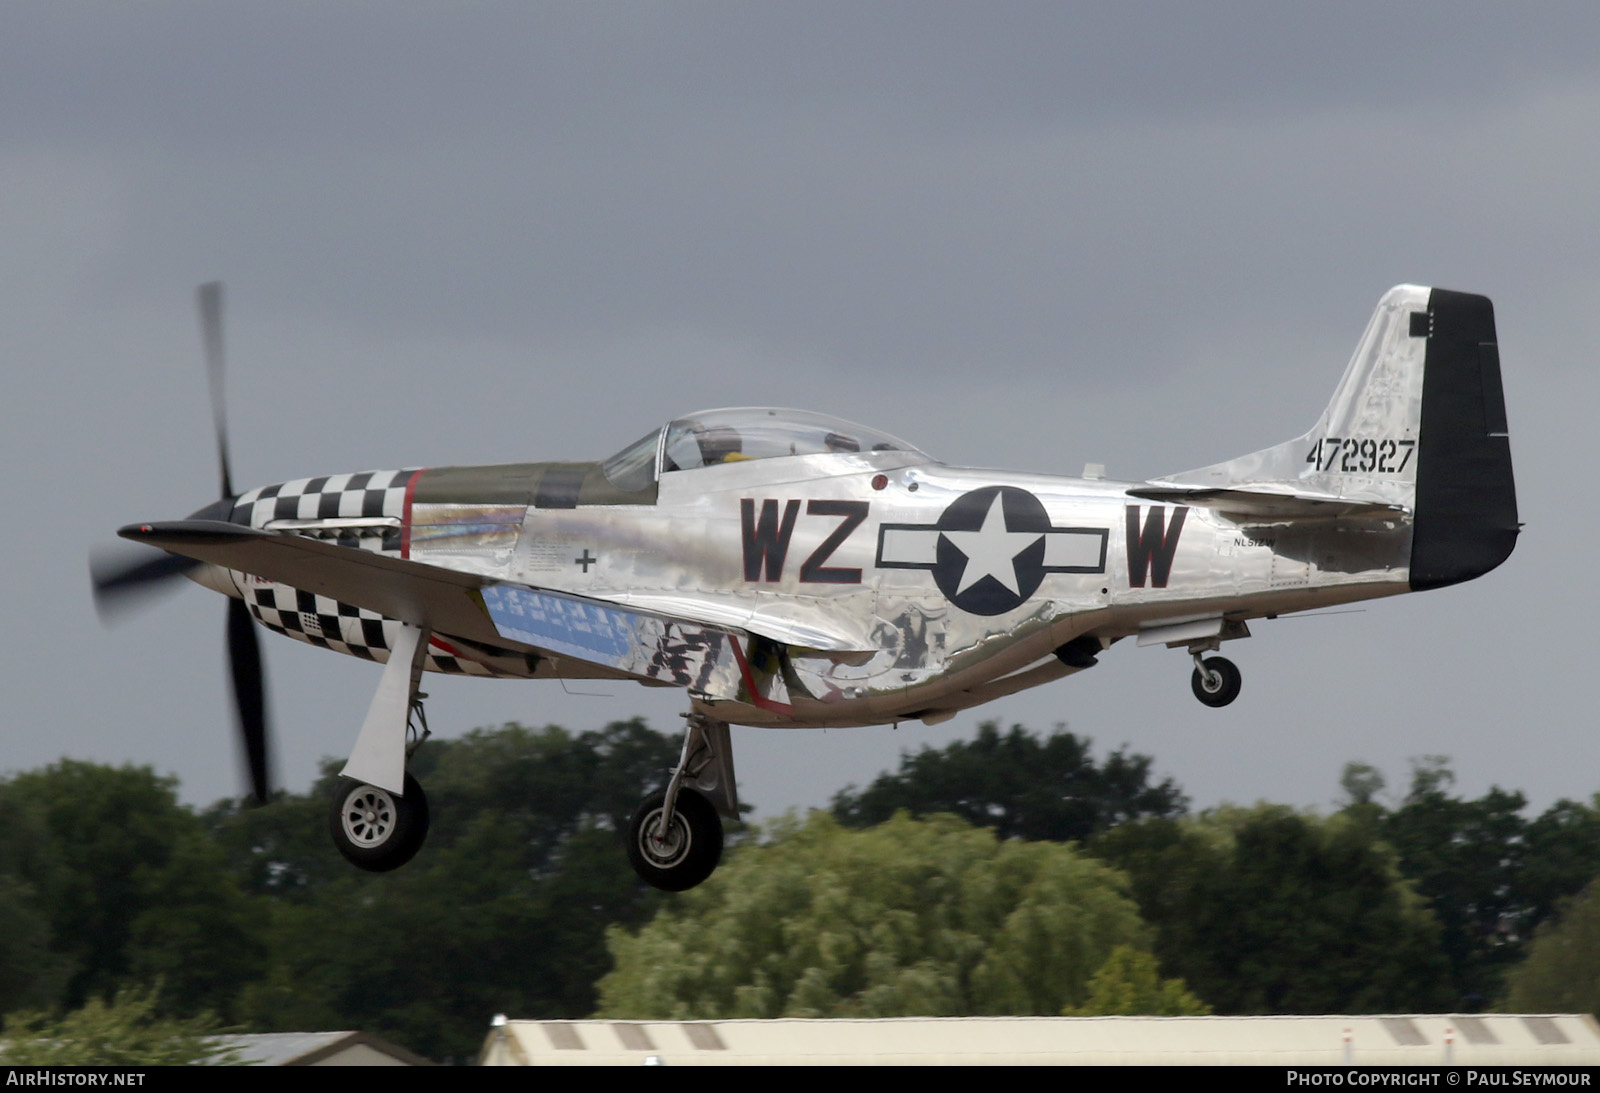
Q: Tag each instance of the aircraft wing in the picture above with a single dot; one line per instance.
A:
(720, 661)
(1269, 501)
(423, 595)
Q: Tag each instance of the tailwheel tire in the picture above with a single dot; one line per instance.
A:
(1219, 684)
(692, 847)
(375, 829)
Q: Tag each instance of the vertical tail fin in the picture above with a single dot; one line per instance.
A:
(1417, 423)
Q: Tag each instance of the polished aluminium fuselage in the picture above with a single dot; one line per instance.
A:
(931, 656)
(916, 613)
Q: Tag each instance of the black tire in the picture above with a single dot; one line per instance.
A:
(1220, 684)
(377, 830)
(693, 846)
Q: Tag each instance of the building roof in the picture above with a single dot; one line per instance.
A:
(319, 1049)
(1366, 1040)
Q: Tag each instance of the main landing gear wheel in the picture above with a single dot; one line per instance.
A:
(1215, 681)
(692, 847)
(375, 829)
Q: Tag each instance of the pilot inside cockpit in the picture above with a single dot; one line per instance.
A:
(719, 444)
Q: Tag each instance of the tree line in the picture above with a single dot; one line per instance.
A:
(1012, 873)
(250, 915)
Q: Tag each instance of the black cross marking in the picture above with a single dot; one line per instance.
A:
(584, 560)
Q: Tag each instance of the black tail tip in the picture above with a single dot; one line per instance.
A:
(1466, 503)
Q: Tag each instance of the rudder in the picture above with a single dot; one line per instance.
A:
(1466, 500)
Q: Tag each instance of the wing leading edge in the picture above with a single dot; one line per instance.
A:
(717, 662)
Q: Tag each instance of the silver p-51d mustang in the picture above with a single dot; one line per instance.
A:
(790, 570)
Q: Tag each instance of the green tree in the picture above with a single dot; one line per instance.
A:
(1561, 857)
(1361, 783)
(129, 885)
(930, 917)
(1130, 983)
(1464, 857)
(1561, 973)
(503, 910)
(1265, 910)
(1490, 875)
(32, 974)
(130, 1030)
(1023, 787)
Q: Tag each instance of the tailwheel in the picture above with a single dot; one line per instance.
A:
(1215, 681)
(375, 829)
(685, 852)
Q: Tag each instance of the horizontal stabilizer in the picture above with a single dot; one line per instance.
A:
(1268, 501)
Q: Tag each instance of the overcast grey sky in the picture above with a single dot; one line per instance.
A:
(1019, 235)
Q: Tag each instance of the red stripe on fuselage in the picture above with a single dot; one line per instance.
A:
(405, 514)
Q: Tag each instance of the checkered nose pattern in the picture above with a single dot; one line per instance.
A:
(368, 493)
(343, 628)
(318, 620)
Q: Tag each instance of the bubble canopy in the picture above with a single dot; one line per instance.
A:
(713, 437)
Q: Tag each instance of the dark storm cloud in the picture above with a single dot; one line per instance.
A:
(905, 185)
(1018, 234)
(293, 73)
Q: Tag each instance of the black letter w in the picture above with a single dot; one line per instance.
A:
(1151, 551)
(766, 543)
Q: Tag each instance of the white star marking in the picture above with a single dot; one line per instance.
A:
(992, 550)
